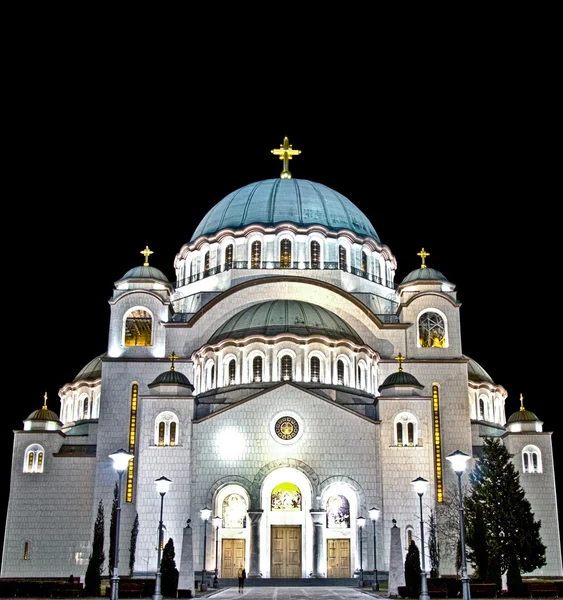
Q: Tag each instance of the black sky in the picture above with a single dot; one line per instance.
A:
(102, 163)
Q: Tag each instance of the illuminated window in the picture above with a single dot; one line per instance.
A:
(406, 430)
(409, 534)
(138, 328)
(232, 371)
(166, 428)
(234, 511)
(26, 551)
(340, 372)
(229, 257)
(33, 461)
(286, 368)
(315, 369)
(437, 443)
(531, 459)
(315, 255)
(338, 512)
(286, 496)
(431, 330)
(342, 262)
(285, 254)
(257, 369)
(364, 262)
(132, 442)
(256, 255)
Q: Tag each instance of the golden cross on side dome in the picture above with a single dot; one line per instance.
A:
(400, 358)
(45, 400)
(286, 153)
(146, 253)
(172, 357)
(423, 254)
(522, 402)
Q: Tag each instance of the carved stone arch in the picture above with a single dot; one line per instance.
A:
(231, 480)
(349, 481)
(292, 463)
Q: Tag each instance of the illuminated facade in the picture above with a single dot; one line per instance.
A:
(286, 382)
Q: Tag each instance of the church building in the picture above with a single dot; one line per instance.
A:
(290, 390)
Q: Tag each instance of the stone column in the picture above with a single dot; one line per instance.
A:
(255, 516)
(318, 517)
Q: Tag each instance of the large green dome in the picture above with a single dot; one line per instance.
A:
(274, 201)
(277, 317)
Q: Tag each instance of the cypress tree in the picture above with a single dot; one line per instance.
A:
(433, 546)
(413, 570)
(93, 577)
(168, 570)
(113, 527)
(133, 544)
(499, 520)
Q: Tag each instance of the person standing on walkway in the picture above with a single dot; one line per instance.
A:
(241, 578)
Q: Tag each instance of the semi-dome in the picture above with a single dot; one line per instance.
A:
(274, 201)
(92, 371)
(475, 371)
(277, 317)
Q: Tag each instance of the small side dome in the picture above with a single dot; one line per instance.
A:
(401, 378)
(523, 420)
(522, 416)
(92, 371)
(42, 419)
(43, 414)
(145, 271)
(172, 378)
(424, 273)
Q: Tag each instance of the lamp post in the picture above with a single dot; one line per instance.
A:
(205, 514)
(458, 460)
(121, 460)
(374, 515)
(361, 522)
(217, 521)
(162, 486)
(420, 487)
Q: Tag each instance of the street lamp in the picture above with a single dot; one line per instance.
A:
(361, 522)
(162, 486)
(458, 460)
(205, 514)
(374, 515)
(121, 460)
(420, 487)
(217, 521)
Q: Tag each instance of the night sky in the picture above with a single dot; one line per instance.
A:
(97, 172)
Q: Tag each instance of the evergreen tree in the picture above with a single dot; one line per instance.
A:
(413, 570)
(433, 546)
(499, 520)
(169, 572)
(133, 544)
(113, 527)
(93, 577)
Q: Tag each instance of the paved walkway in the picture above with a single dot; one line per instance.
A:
(293, 593)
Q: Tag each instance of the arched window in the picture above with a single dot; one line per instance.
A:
(285, 254)
(256, 255)
(138, 328)
(86, 409)
(315, 367)
(531, 459)
(338, 512)
(206, 264)
(34, 459)
(340, 372)
(315, 255)
(234, 511)
(257, 369)
(409, 535)
(232, 371)
(406, 430)
(209, 375)
(229, 257)
(95, 412)
(360, 378)
(166, 429)
(377, 270)
(286, 496)
(431, 330)
(286, 368)
(482, 410)
(364, 262)
(342, 263)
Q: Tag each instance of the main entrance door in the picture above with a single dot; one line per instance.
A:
(232, 557)
(338, 558)
(286, 551)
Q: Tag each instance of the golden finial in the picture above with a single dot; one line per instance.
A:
(286, 153)
(45, 401)
(172, 357)
(400, 358)
(423, 254)
(522, 402)
(146, 253)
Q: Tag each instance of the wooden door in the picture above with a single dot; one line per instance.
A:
(285, 556)
(232, 557)
(338, 558)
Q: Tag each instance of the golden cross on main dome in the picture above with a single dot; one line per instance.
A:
(400, 358)
(172, 357)
(423, 254)
(146, 253)
(286, 153)
(45, 400)
(522, 402)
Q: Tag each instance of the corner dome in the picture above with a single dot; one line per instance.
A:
(522, 416)
(425, 274)
(93, 370)
(145, 272)
(274, 201)
(400, 378)
(43, 414)
(172, 378)
(277, 317)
